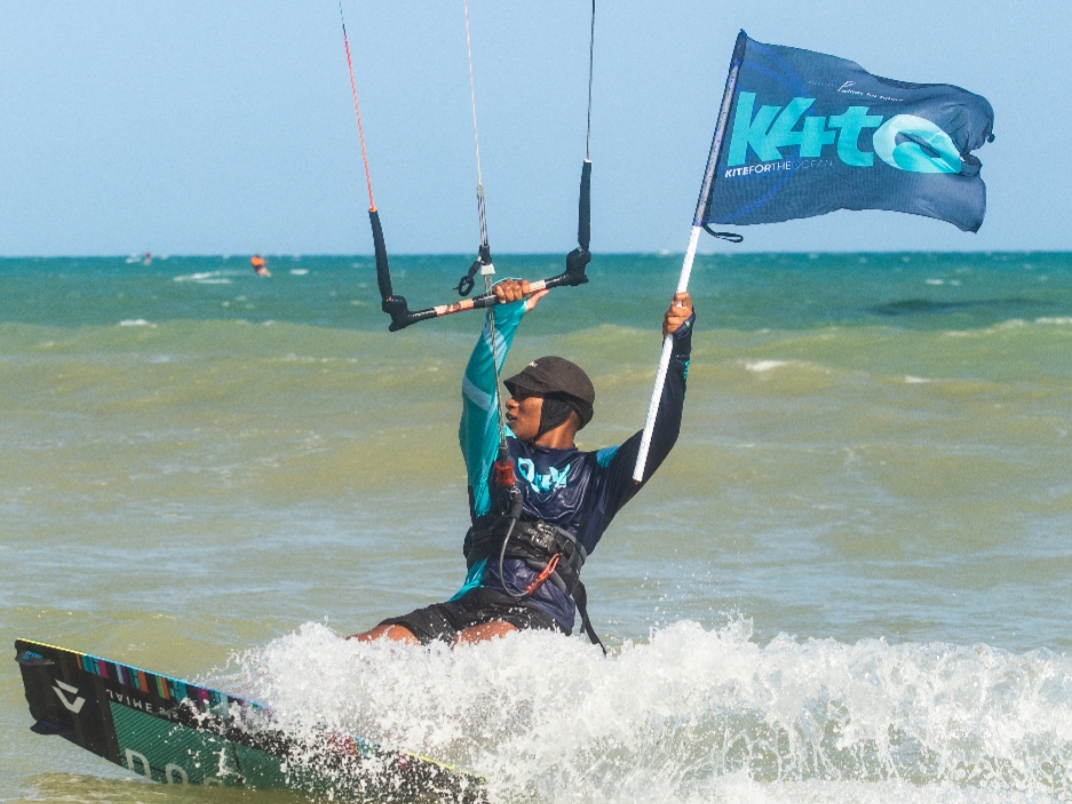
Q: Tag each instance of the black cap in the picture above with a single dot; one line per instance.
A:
(558, 378)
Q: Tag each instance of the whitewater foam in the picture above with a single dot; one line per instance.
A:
(693, 715)
(207, 277)
(760, 366)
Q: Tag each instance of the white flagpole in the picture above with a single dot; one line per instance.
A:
(690, 253)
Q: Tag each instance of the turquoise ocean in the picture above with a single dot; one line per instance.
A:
(850, 582)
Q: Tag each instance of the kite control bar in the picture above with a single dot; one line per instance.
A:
(576, 261)
(401, 316)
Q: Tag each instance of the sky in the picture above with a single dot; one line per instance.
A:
(227, 126)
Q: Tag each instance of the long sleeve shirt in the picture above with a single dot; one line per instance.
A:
(579, 492)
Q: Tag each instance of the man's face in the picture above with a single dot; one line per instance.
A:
(523, 412)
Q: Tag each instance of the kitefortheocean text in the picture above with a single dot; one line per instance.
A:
(774, 167)
(904, 141)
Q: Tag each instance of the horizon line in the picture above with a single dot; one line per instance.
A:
(137, 257)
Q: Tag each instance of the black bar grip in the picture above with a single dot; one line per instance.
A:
(584, 207)
(383, 270)
(483, 300)
(398, 308)
(568, 278)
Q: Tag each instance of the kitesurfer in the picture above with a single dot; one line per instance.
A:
(540, 509)
(260, 265)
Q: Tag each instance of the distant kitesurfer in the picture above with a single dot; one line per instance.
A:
(259, 265)
(532, 531)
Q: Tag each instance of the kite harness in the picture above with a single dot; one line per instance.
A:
(551, 551)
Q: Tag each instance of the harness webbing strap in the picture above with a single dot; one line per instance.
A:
(537, 544)
(580, 597)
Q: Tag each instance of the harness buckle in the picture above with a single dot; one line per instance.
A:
(545, 573)
(543, 536)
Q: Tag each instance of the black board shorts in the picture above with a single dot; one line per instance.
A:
(443, 621)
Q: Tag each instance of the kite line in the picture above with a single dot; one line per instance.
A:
(576, 261)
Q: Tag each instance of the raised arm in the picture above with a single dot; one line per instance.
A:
(678, 322)
(619, 461)
(478, 432)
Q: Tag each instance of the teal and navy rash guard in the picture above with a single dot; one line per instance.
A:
(577, 491)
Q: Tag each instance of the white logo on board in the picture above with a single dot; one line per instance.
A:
(75, 705)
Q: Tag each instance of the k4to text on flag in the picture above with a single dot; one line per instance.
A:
(809, 133)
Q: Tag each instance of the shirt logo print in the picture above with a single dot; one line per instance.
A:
(541, 484)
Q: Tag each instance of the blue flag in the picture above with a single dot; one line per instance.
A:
(807, 133)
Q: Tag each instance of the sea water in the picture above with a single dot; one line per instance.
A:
(851, 580)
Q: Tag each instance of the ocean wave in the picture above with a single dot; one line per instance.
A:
(207, 277)
(693, 714)
(760, 366)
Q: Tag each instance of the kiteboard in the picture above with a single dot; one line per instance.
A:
(176, 732)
